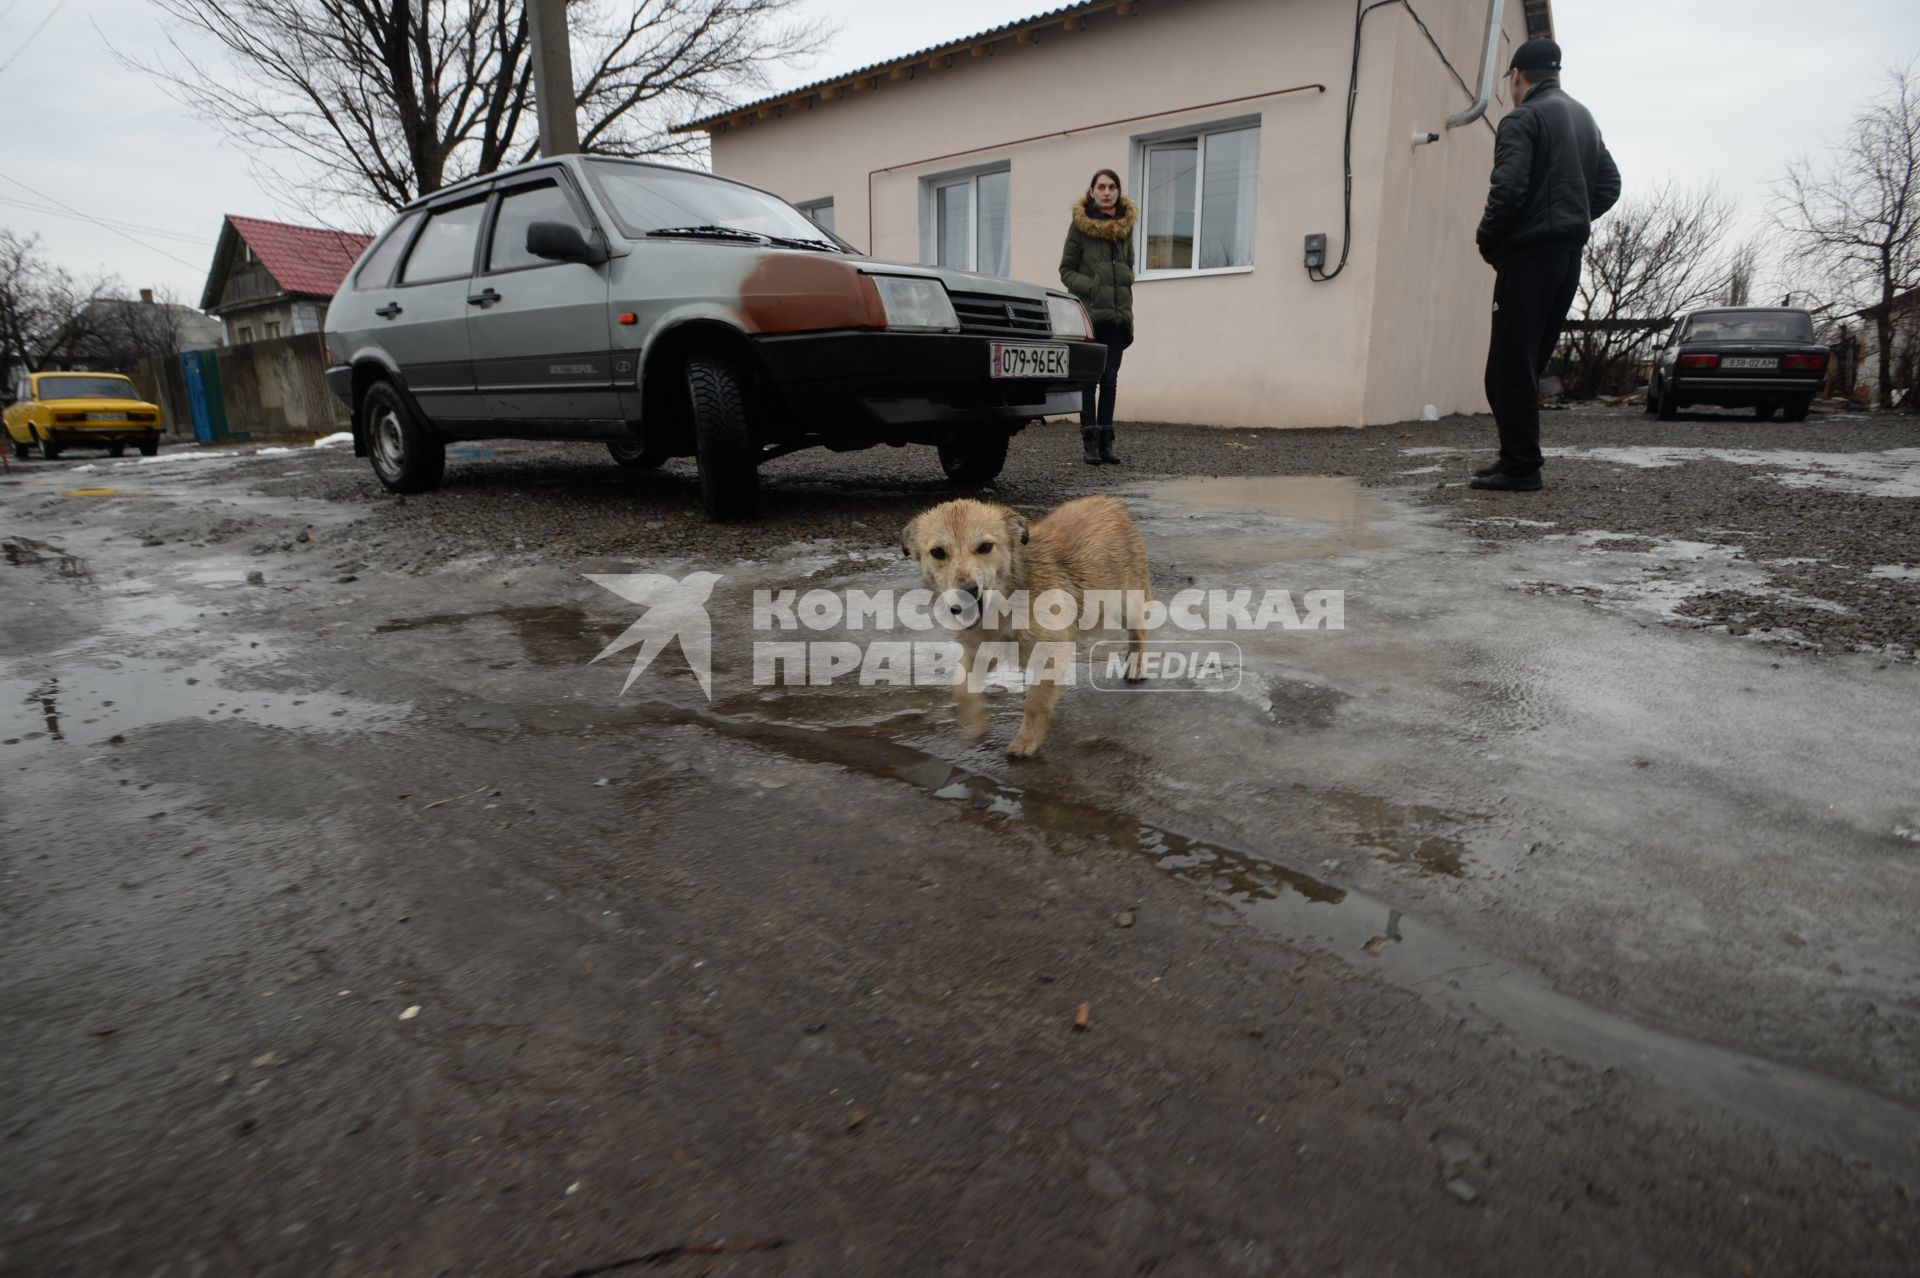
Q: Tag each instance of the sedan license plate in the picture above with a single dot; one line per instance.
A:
(1747, 361)
(1028, 361)
(106, 417)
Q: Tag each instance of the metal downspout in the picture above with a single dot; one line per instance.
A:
(1496, 10)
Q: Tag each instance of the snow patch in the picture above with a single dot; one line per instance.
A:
(338, 437)
(1893, 473)
(270, 452)
(1895, 572)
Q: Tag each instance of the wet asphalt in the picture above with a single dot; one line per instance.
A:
(1553, 912)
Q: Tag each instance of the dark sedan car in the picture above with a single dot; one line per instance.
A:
(1758, 357)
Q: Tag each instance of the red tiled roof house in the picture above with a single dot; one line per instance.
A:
(270, 279)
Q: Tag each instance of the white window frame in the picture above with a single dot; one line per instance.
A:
(930, 212)
(1142, 144)
(808, 207)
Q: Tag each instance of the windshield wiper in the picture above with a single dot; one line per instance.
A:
(800, 242)
(711, 232)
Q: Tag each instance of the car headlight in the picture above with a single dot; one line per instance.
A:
(916, 304)
(1068, 317)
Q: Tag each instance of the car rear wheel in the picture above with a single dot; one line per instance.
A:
(405, 458)
(724, 446)
(1797, 408)
(634, 454)
(974, 459)
(150, 446)
(1669, 407)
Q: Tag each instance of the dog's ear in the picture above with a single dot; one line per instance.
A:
(909, 539)
(1017, 525)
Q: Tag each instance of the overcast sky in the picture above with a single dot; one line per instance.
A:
(1683, 91)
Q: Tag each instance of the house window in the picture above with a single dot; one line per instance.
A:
(820, 212)
(246, 332)
(967, 219)
(1199, 201)
(273, 328)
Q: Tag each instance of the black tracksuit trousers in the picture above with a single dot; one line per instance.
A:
(1531, 297)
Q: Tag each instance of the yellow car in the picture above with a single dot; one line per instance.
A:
(80, 410)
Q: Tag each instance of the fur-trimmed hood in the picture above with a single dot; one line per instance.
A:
(1118, 227)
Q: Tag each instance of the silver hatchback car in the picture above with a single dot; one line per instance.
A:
(672, 313)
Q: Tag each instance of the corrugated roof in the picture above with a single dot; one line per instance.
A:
(307, 260)
(846, 78)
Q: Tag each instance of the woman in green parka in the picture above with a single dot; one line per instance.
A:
(1097, 267)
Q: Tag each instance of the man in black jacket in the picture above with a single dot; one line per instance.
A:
(1552, 177)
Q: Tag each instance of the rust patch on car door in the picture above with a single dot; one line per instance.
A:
(806, 293)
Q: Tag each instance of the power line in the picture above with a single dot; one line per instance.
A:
(31, 207)
(32, 35)
(192, 266)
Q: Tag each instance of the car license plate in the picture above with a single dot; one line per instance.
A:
(1029, 361)
(106, 417)
(1746, 361)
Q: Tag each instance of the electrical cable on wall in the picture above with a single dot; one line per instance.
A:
(1361, 10)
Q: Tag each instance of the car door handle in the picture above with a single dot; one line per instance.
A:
(484, 298)
(388, 311)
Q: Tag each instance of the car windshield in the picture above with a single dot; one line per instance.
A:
(672, 202)
(95, 387)
(1750, 326)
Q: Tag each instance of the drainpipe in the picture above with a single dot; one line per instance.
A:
(1495, 11)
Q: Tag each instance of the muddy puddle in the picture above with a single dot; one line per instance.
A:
(1262, 519)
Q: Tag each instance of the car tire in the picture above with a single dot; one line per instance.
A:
(1653, 401)
(1765, 412)
(634, 455)
(1669, 407)
(149, 447)
(406, 459)
(20, 451)
(1797, 408)
(974, 458)
(116, 450)
(724, 446)
(49, 449)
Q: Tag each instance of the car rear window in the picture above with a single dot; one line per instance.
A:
(65, 387)
(377, 270)
(444, 250)
(1750, 326)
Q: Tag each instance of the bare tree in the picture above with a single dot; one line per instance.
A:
(1743, 268)
(1652, 258)
(44, 310)
(1857, 210)
(386, 100)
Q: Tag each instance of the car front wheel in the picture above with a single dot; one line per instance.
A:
(150, 446)
(405, 458)
(724, 446)
(974, 459)
(49, 449)
(20, 451)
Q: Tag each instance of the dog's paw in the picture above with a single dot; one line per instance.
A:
(1024, 745)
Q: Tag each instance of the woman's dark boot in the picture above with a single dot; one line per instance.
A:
(1106, 447)
(1090, 441)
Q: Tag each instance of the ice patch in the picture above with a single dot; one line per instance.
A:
(80, 469)
(1895, 572)
(270, 452)
(1512, 521)
(338, 437)
(1894, 473)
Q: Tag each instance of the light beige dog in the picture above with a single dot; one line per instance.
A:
(982, 550)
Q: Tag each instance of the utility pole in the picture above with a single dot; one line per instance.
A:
(553, 78)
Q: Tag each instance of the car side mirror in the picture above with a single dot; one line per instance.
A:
(562, 242)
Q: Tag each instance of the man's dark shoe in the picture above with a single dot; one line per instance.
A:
(1488, 472)
(1106, 446)
(1504, 483)
(1090, 444)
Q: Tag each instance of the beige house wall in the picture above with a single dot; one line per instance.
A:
(1265, 347)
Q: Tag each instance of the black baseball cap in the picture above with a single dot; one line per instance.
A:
(1537, 54)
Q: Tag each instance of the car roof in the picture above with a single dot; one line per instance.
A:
(78, 372)
(482, 179)
(1751, 310)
